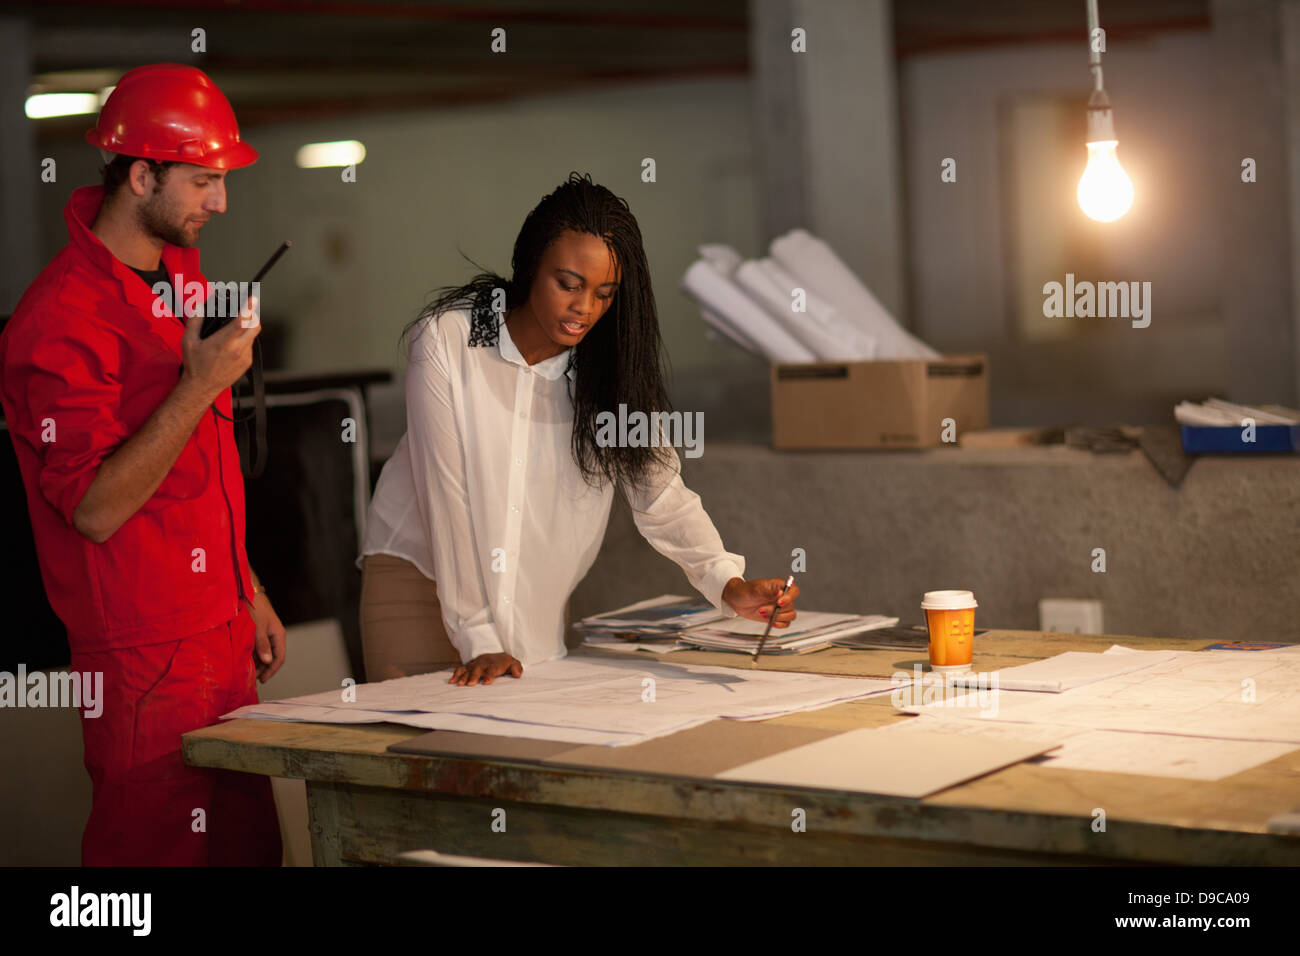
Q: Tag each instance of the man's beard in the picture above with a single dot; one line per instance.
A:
(156, 217)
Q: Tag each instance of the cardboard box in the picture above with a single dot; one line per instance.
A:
(889, 404)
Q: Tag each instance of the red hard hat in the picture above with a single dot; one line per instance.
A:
(172, 112)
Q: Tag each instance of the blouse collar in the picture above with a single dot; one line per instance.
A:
(551, 368)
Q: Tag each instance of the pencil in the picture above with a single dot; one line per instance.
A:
(768, 630)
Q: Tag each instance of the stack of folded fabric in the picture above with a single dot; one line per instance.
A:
(753, 303)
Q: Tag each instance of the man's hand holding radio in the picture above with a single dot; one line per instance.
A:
(128, 477)
(212, 365)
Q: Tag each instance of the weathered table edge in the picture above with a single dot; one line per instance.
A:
(750, 804)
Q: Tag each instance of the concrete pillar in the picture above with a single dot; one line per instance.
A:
(1254, 119)
(1290, 38)
(827, 133)
(19, 168)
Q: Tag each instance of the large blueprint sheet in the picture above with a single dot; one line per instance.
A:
(572, 699)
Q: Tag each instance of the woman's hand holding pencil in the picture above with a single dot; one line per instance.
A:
(757, 600)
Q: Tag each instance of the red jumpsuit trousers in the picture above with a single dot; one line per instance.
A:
(150, 809)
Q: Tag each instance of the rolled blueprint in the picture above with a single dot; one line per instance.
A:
(819, 326)
(720, 325)
(820, 270)
(715, 291)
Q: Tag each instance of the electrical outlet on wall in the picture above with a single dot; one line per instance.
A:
(1070, 616)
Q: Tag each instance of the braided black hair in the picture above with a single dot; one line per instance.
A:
(620, 360)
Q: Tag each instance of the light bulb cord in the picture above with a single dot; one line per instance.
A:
(1094, 54)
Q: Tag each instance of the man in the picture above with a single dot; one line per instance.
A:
(132, 479)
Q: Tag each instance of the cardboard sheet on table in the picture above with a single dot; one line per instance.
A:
(702, 751)
(900, 765)
(451, 743)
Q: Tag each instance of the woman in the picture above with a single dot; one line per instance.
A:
(495, 503)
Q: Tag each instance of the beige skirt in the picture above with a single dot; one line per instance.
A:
(401, 620)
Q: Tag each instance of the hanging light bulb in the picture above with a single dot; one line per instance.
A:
(1105, 192)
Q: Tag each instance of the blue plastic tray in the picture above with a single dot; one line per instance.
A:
(1198, 439)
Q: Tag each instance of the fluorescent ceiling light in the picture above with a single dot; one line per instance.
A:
(46, 105)
(342, 153)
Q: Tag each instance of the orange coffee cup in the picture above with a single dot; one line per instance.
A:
(951, 619)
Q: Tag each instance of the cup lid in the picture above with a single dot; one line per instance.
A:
(948, 600)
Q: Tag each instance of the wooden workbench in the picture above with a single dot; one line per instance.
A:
(367, 805)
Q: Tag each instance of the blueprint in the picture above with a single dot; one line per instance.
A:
(580, 700)
(1235, 695)
(1115, 751)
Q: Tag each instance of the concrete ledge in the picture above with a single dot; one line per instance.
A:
(1216, 558)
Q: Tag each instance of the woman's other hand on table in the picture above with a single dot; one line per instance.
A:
(487, 668)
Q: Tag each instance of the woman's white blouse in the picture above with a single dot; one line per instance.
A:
(484, 497)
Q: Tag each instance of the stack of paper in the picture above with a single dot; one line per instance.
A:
(663, 616)
(634, 644)
(672, 622)
(651, 625)
(810, 631)
(1217, 412)
(610, 702)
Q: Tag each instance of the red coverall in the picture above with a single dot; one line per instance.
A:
(158, 606)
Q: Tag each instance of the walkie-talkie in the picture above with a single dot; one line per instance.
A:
(213, 323)
(256, 458)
